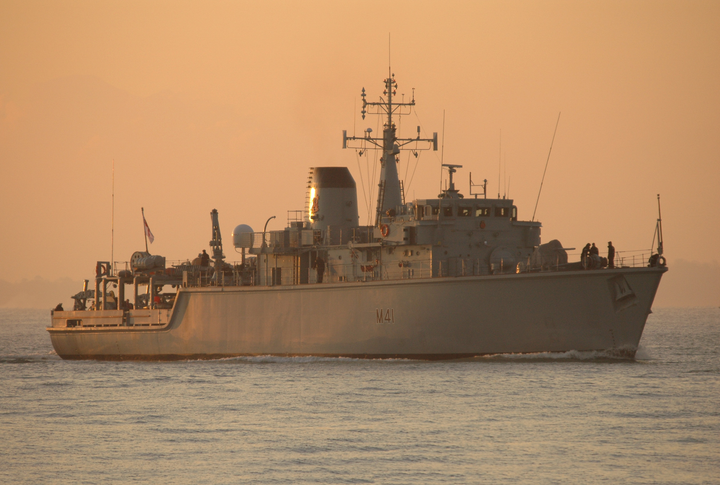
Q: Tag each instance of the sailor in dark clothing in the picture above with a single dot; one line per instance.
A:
(653, 261)
(204, 259)
(611, 255)
(584, 256)
(320, 268)
(594, 251)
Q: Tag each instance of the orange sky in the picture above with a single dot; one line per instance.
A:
(225, 105)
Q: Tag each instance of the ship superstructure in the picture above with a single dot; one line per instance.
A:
(434, 278)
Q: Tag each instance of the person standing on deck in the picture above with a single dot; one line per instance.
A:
(584, 256)
(320, 268)
(611, 255)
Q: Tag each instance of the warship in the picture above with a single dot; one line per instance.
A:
(446, 277)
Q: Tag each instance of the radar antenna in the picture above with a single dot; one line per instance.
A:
(450, 192)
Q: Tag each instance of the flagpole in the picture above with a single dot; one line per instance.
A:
(144, 231)
(112, 231)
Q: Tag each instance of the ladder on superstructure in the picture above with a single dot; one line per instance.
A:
(381, 199)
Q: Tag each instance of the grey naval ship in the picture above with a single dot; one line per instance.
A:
(446, 277)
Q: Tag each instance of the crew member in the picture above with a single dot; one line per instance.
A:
(611, 255)
(204, 259)
(320, 268)
(594, 251)
(584, 255)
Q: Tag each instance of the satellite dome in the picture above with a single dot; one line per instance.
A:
(240, 241)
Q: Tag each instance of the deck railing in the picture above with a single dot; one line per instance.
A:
(357, 271)
(634, 258)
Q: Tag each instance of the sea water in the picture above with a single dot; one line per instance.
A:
(568, 418)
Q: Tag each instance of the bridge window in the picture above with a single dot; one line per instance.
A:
(482, 211)
(464, 211)
(501, 212)
(447, 211)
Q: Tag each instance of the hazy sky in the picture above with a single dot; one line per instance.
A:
(226, 105)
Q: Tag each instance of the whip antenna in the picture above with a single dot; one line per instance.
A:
(112, 222)
(499, 162)
(442, 151)
(546, 166)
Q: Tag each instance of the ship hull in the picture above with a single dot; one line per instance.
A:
(439, 318)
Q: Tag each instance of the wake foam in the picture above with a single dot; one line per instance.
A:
(643, 354)
(305, 359)
(572, 355)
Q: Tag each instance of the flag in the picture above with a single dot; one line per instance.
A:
(148, 233)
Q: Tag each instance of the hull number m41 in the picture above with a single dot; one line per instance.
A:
(385, 315)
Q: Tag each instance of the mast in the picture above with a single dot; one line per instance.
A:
(389, 186)
(659, 229)
(389, 195)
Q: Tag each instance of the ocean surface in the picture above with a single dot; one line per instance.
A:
(568, 418)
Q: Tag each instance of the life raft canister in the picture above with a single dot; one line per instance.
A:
(102, 269)
(385, 230)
